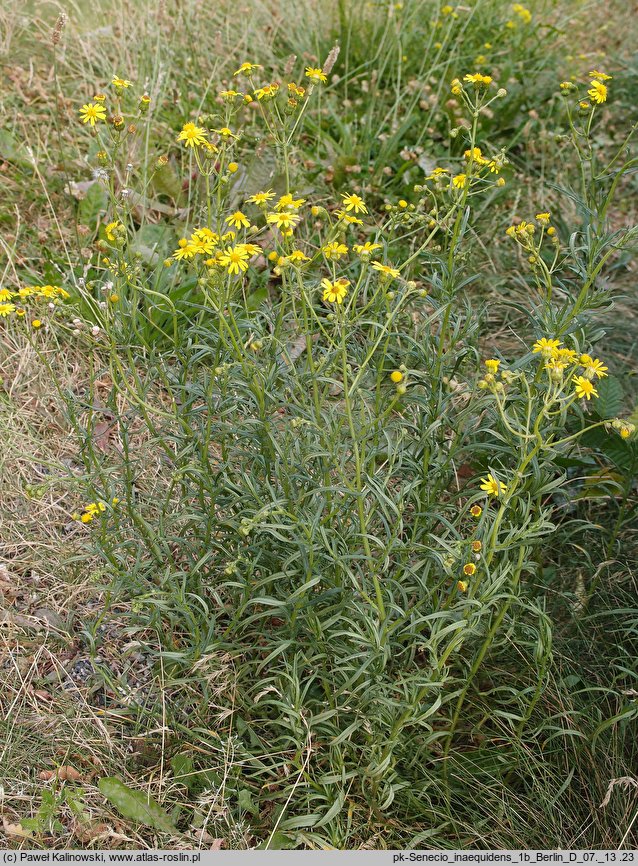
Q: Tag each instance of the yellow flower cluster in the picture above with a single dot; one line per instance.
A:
(15, 303)
(93, 510)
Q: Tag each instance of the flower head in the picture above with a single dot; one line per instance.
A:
(234, 259)
(6, 310)
(493, 487)
(597, 92)
(316, 74)
(478, 80)
(335, 292)
(385, 270)
(283, 220)
(584, 388)
(334, 250)
(192, 135)
(246, 68)
(601, 76)
(120, 82)
(476, 511)
(92, 113)
(396, 376)
(492, 365)
(366, 250)
(288, 200)
(545, 346)
(261, 197)
(459, 181)
(354, 202)
(593, 367)
(469, 569)
(238, 219)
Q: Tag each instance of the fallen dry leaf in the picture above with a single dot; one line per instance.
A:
(88, 832)
(15, 829)
(64, 774)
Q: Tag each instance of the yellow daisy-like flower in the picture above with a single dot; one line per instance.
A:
(597, 92)
(346, 217)
(110, 230)
(225, 132)
(316, 74)
(459, 181)
(283, 220)
(261, 197)
(386, 270)
(288, 200)
(543, 218)
(584, 388)
(296, 257)
(335, 292)
(120, 82)
(477, 546)
(6, 294)
(545, 346)
(185, 250)
(246, 68)
(476, 511)
(492, 365)
(334, 250)
(267, 91)
(365, 250)
(593, 367)
(601, 76)
(36, 323)
(192, 135)
(6, 310)
(493, 487)
(354, 202)
(234, 259)
(475, 154)
(469, 568)
(396, 376)
(478, 80)
(461, 585)
(229, 94)
(92, 113)
(238, 219)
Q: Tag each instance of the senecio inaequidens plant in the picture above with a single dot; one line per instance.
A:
(309, 372)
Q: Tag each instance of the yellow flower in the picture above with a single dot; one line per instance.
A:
(6, 294)
(246, 68)
(284, 221)
(225, 132)
(316, 74)
(386, 270)
(229, 94)
(478, 80)
(597, 92)
(335, 292)
(469, 568)
(92, 112)
(476, 511)
(593, 367)
(366, 250)
(461, 585)
(36, 323)
(523, 13)
(192, 135)
(234, 259)
(492, 365)
(297, 256)
(261, 197)
(288, 200)
(348, 218)
(185, 250)
(601, 76)
(543, 218)
(475, 154)
(6, 310)
(584, 388)
(493, 487)
(296, 90)
(334, 250)
(267, 91)
(354, 202)
(120, 82)
(238, 219)
(477, 546)
(545, 346)
(110, 230)
(396, 376)
(459, 181)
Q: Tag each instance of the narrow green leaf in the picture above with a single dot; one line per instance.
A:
(135, 805)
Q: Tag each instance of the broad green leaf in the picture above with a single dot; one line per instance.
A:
(246, 802)
(166, 182)
(12, 150)
(92, 206)
(135, 805)
(609, 402)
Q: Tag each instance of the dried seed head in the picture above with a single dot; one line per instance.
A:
(331, 59)
(59, 27)
(290, 65)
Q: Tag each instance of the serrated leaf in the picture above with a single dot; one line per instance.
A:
(609, 402)
(92, 206)
(135, 805)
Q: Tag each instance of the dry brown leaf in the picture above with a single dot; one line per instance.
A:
(102, 435)
(64, 774)
(88, 832)
(15, 829)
